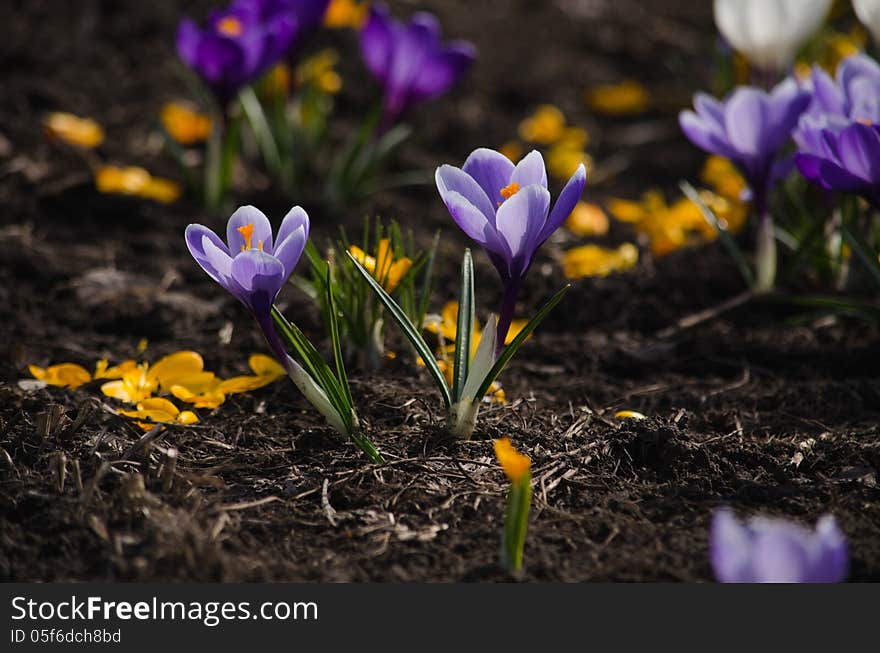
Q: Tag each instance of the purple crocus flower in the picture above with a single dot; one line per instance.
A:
(307, 14)
(839, 137)
(766, 550)
(410, 60)
(506, 209)
(249, 264)
(237, 45)
(749, 127)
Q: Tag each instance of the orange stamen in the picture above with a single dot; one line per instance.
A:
(230, 26)
(509, 191)
(248, 232)
(865, 122)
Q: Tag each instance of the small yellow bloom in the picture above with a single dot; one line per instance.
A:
(595, 261)
(563, 160)
(515, 465)
(587, 220)
(513, 150)
(184, 125)
(545, 126)
(159, 410)
(319, 70)
(73, 130)
(383, 267)
(64, 375)
(628, 414)
(136, 181)
(342, 14)
(625, 98)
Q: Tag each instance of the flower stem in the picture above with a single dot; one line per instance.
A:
(508, 305)
(765, 254)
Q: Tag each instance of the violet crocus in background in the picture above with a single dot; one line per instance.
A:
(505, 208)
(237, 45)
(410, 60)
(750, 127)
(838, 138)
(770, 550)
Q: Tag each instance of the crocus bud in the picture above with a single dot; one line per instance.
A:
(769, 32)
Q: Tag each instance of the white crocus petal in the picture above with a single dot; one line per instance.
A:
(769, 32)
(315, 395)
(868, 12)
(483, 361)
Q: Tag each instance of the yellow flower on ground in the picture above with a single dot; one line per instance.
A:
(73, 130)
(136, 181)
(103, 371)
(212, 392)
(319, 70)
(723, 176)
(383, 267)
(513, 150)
(63, 375)
(545, 126)
(587, 220)
(183, 368)
(159, 410)
(342, 14)
(563, 160)
(515, 465)
(625, 98)
(595, 261)
(628, 414)
(184, 125)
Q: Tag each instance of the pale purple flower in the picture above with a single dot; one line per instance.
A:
(250, 264)
(750, 127)
(505, 208)
(770, 550)
(410, 60)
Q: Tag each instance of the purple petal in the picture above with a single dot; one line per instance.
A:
(491, 170)
(730, 546)
(244, 216)
(827, 97)
(519, 221)
(530, 170)
(188, 37)
(710, 110)
(704, 136)
(565, 203)
(292, 238)
(295, 218)
(746, 120)
(452, 179)
(377, 43)
(260, 276)
(441, 70)
(833, 563)
(198, 237)
(780, 553)
(468, 217)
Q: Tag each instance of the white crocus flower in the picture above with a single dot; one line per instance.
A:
(868, 12)
(770, 32)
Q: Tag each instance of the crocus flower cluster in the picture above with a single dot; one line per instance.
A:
(410, 60)
(241, 42)
(839, 136)
(505, 208)
(765, 550)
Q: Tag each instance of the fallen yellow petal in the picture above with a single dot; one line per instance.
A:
(185, 125)
(73, 130)
(592, 260)
(103, 371)
(563, 161)
(207, 399)
(624, 98)
(587, 220)
(545, 126)
(628, 414)
(514, 464)
(263, 365)
(63, 375)
(513, 150)
(173, 368)
(137, 182)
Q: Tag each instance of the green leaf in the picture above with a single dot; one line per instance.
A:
(333, 320)
(256, 117)
(863, 251)
(412, 334)
(723, 235)
(464, 328)
(516, 521)
(512, 348)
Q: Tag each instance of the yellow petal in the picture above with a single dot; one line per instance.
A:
(592, 260)
(545, 126)
(723, 176)
(158, 404)
(587, 220)
(162, 190)
(187, 417)
(64, 375)
(515, 465)
(628, 414)
(343, 14)
(102, 371)
(80, 132)
(185, 125)
(263, 365)
(135, 181)
(172, 369)
(516, 326)
(513, 150)
(626, 97)
(627, 210)
(239, 384)
(368, 262)
(209, 399)
(563, 161)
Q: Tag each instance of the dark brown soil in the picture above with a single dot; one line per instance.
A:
(764, 408)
